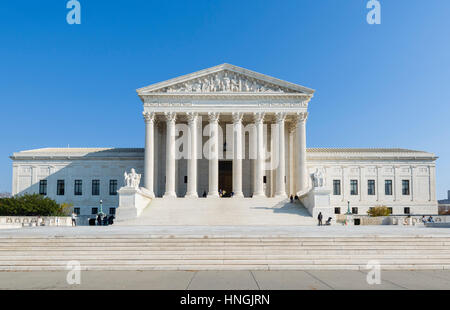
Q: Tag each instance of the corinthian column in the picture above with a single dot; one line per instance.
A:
(280, 190)
(213, 154)
(292, 129)
(149, 156)
(170, 155)
(302, 173)
(237, 155)
(192, 160)
(259, 175)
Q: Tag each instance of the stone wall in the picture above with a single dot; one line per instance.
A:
(30, 221)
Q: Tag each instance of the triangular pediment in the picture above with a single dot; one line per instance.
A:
(225, 79)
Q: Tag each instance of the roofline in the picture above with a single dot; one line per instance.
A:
(314, 154)
(225, 66)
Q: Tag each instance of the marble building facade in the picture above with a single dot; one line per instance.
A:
(240, 131)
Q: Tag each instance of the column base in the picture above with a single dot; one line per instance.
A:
(170, 195)
(238, 195)
(281, 195)
(191, 195)
(213, 195)
(259, 195)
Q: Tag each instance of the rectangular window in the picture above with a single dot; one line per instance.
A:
(78, 189)
(390, 210)
(336, 187)
(370, 187)
(95, 187)
(185, 179)
(94, 210)
(60, 188)
(112, 211)
(76, 211)
(405, 187)
(353, 187)
(388, 187)
(43, 187)
(264, 179)
(407, 210)
(113, 187)
(337, 210)
(354, 210)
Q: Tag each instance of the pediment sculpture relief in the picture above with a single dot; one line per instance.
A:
(225, 81)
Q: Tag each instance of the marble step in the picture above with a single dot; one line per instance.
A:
(225, 267)
(219, 256)
(227, 252)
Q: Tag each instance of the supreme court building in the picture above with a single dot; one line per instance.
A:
(236, 131)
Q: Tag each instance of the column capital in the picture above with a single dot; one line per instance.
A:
(302, 117)
(237, 117)
(213, 117)
(191, 117)
(292, 127)
(258, 117)
(280, 117)
(170, 116)
(148, 117)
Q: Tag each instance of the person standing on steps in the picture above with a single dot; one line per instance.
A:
(319, 217)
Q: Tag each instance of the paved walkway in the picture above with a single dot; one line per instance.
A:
(225, 280)
(235, 231)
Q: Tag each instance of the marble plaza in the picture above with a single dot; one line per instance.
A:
(233, 140)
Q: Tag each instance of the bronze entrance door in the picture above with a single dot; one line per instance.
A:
(226, 177)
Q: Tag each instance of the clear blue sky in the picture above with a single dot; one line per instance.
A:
(377, 85)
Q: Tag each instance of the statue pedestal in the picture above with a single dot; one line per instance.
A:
(318, 200)
(132, 201)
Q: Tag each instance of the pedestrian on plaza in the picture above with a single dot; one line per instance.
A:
(291, 198)
(319, 217)
(74, 219)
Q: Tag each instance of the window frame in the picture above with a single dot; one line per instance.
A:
(407, 189)
(113, 184)
(43, 187)
(96, 186)
(354, 190)
(337, 188)
(78, 188)
(371, 184)
(388, 187)
(60, 187)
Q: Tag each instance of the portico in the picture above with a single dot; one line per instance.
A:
(225, 113)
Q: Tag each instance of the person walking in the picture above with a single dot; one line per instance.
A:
(319, 217)
(74, 219)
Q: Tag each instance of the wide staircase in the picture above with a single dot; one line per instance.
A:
(222, 212)
(144, 252)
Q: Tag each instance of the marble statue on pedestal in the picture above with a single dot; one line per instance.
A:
(132, 179)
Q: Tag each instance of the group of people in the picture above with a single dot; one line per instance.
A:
(320, 217)
(104, 220)
(429, 220)
(293, 198)
(101, 219)
(222, 194)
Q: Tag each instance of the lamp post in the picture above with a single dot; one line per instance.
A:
(101, 207)
(347, 216)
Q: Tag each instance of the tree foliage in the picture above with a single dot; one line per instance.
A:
(379, 211)
(30, 205)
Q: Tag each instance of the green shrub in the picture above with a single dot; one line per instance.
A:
(30, 205)
(379, 211)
